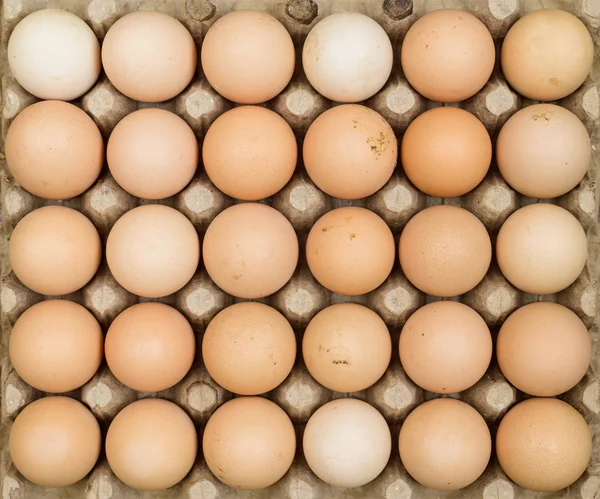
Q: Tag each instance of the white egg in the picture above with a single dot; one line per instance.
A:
(54, 55)
(347, 57)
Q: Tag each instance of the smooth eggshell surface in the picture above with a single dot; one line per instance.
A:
(54, 250)
(544, 349)
(350, 151)
(55, 441)
(56, 346)
(54, 150)
(249, 443)
(445, 444)
(543, 444)
(249, 348)
(541, 249)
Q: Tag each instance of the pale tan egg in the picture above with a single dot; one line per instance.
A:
(350, 250)
(248, 56)
(541, 249)
(547, 54)
(54, 250)
(56, 346)
(54, 150)
(151, 444)
(445, 347)
(250, 250)
(152, 153)
(543, 151)
(153, 250)
(445, 250)
(350, 151)
(445, 444)
(446, 152)
(346, 347)
(55, 441)
(149, 56)
(543, 444)
(249, 153)
(448, 55)
(544, 349)
(249, 443)
(249, 348)
(150, 347)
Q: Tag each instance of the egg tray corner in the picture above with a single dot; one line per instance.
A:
(302, 203)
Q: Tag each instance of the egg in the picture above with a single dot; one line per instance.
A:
(350, 151)
(248, 56)
(56, 346)
(347, 443)
(250, 250)
(152, 153)
(54, 250)
(445, 347)
(541, 249)
(150, 347)
(249, 443)
(347, 57)
(448, 55)
(555, 337)
(151, 444)
(54, 54)
(543, 444)
(153, 251)
(445, 250)
(54, 150)
(249, 348)
(346, 347)
(446, 152)
(350, 250)
(55, 441)
(149, 56)
(543, 151)
(547, 54)
(249, 153)
(445, 444)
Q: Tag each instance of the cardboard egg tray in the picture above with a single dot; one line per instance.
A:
(302, 203)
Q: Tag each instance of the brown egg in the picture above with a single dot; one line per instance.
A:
(445, 347)
(150, 347)
(543, 444)
(54, 150)
(55, 441)
(149, 56)
(543, 151)
(152, 153)
(350, 250)
(347, 443)
(541, 249)
(151, 444)
(557, 341)
(448, 55)
(249, 348)
(445, 250)
(547, 54)
(250, 250)
(446, 152)
(249, 443)
(153, 250)
(248, 56)
(347, 347)
(249, 153)
(350, 151)
(56, 346)
(445, 444)
(54, 250)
